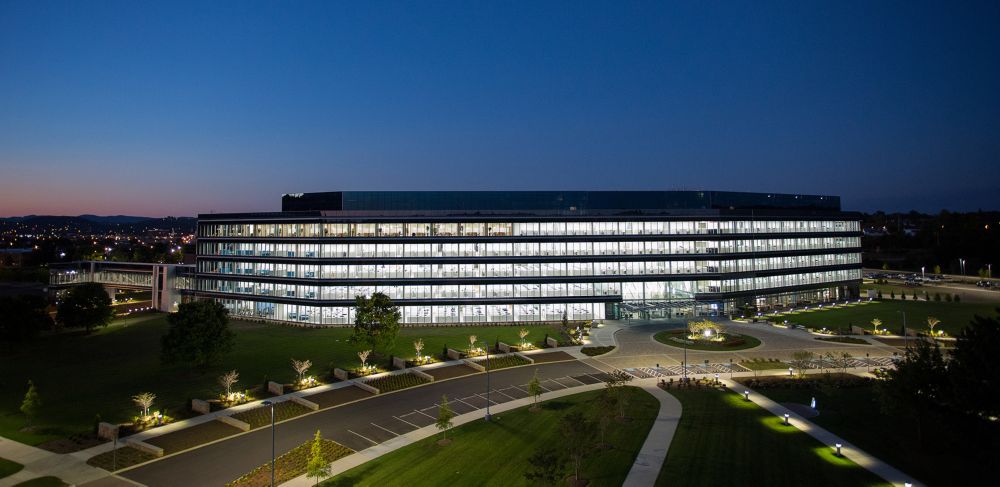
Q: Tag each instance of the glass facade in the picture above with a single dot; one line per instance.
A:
(464, 267)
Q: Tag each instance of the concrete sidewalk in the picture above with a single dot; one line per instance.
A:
(853, 453)
(41, 463)
(651, 456)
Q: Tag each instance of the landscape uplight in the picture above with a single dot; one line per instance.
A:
(838, 445)
(746, 395)
(789, 371)
(786, 419)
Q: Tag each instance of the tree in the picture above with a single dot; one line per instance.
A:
(31, 403)
(916, 386)
(363, 355)
(937, 269)
(23, 317)
(523, 332)
(843, 361)
(932, 322)
(973, 370)
(876, 323)
(578, 434)
(199, 334)
(85, 306)
(603, 412)
(227, 381)
(615, 385)
(546, 467)
(144, 401)
(418, 346)
(472, 343)
(704, 328)
(535, 389)
(317, 467)
(301, 367)
(800, 360)
(444, 419)
(377, 322)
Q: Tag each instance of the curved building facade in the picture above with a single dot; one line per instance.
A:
(500, 257)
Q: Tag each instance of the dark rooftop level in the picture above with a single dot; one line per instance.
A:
(550, 201)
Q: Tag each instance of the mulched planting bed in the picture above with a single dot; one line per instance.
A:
(856, 341)
(396, 382)
(550, 357)
(503, 362)
(450, 372)
(191, 437)
(337, 397)
(594, 351)
(127, 456)
(261, 416)
(289, 465)
(76, 442)
(836, 380)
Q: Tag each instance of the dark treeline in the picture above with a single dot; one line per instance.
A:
(907, 241)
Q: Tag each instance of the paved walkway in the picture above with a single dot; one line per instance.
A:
(853, 453)
(654, 451)
(41, 463)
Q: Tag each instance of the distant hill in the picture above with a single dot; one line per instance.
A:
(94, 223)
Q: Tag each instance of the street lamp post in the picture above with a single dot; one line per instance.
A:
(685, 364)
(961, 263)
(923, 276)
(271, 404)
(906, 342)
(487, 348)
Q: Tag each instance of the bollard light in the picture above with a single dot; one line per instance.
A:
(789, 371)
(838, 449)
(746, 395)
(786, 419)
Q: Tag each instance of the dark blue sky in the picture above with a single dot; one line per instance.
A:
(179, 108)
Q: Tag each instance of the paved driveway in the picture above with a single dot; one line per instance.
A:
(357, 425)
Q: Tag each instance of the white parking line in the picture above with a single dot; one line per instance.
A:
(405, 421)
(364, 437)
(425, 414)
(467, 404)
(578, 380)
(501, 392)
(385, 429)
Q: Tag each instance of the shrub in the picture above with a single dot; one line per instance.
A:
(937, 296)
(958, 298)
(395, 382)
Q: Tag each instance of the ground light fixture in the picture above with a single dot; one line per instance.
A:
(789, 371)
(746, 395)
(786, 419)
(838, 445)
(271, 404)
(716, 377)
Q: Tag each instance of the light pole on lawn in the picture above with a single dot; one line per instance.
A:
(487, 348)
(271, 404)
(906, 342)
(685, 364)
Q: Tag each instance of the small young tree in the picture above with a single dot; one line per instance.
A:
(801, 359)
(535, 389)
(144, 401)
(892, 294)
(932, 322)
(318, 467)
(616, 384)
(523, 332)
(445, 414)
(418, 345)
(603, 412)
(958, 298)
(565, 321)
(472, 343)
(876, 323)
(577, 435)
(947, 298)
(937, 269)
(31, 403)
(363, 355)
(301, 367)
(227, 381)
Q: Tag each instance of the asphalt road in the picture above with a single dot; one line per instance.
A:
(357, 425)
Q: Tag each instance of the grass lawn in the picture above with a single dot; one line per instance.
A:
(43, 482)
(8, 468)
(764, 364)
(724, 440)
(953, 316)
(666, 337)
(78, 376)
(496, 453)
(854, 414)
